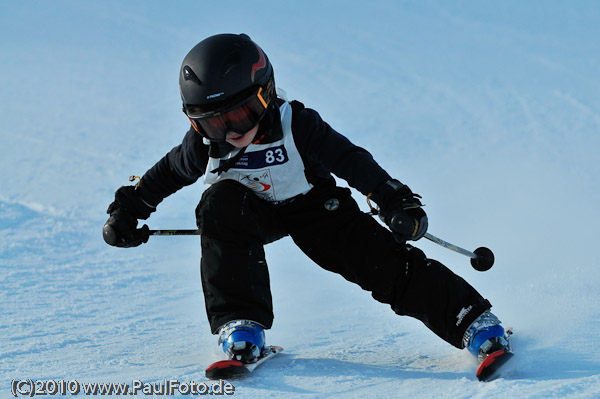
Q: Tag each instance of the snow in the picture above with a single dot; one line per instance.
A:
(489, 110)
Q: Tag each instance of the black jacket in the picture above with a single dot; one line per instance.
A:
(323, 150)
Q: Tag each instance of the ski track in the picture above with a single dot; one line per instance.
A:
(496, 114)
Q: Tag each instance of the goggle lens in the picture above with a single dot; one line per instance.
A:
(240, 119)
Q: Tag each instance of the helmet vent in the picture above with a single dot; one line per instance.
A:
(188, 74)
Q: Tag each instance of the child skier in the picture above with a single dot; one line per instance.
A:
(269, 163)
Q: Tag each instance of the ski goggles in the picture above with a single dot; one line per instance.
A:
(240, 118)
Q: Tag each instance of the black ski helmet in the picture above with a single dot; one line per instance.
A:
(223, 70)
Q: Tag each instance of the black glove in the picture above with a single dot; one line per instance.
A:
(402, 211)
(120, 230)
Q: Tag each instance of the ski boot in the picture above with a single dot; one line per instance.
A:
(489, 343)
(244, 343)
(484, 336)
(242, 340)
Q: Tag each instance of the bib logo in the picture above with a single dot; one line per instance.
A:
(260, 182)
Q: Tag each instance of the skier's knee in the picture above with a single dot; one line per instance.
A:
(222, 204)
(230, 211)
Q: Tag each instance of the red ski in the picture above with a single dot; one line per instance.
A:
(489, 368)
(231, 369)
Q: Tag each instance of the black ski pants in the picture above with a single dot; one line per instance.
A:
(328, 226)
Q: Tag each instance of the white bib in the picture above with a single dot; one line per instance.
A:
(274, 171)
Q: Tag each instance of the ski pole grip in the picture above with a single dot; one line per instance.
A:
(402, 223)
(110, 235)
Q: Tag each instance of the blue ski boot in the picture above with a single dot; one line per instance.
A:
(242, 340)
(485, 336)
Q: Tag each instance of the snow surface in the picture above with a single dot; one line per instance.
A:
(489, 110)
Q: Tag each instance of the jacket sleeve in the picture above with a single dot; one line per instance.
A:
(180, 167)
(324, 149)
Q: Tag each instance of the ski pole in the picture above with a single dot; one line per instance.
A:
(482, 258)
(174, 232)
(111, 237)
